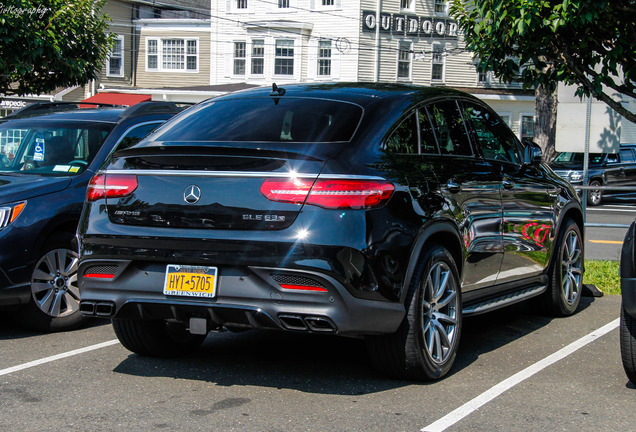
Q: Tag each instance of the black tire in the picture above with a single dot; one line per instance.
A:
(156, 338)
(54, 303)
(628, 344)
(594, 196)
(425, 345)
(566, 272)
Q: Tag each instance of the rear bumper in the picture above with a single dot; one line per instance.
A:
(247, 297)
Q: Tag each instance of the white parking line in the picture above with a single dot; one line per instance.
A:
(57, 357)
(490, 394)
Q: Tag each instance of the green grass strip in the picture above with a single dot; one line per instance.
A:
(603, 274)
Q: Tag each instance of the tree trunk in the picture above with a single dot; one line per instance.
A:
(546, 103)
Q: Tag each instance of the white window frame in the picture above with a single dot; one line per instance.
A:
(444, 5)
(109, 72)
(294, 58)
(232, 6)
(313, 60)
(252, 57)
(488, 78)
(409, 59)
(243, 58)
(534, 119)
(154, 54)
(159, 54)
(330, 59)
(318, 5)
(443, 62)
(410, 5)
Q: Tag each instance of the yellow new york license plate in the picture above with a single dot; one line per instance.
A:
(192, 281)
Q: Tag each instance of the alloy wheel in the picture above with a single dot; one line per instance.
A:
(594, 195)
(571, 273)
(439, 310)
(54, 283)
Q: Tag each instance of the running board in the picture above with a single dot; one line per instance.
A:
(504, 300)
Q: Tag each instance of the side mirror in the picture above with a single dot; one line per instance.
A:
(532, 154)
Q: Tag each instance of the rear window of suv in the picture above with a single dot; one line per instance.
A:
(285, 119)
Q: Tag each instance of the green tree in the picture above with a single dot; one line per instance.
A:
(46, 44)
(589, 44)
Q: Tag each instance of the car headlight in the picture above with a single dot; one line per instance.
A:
(9, 213)
(576, 176)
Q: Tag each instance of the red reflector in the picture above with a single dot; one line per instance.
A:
(110, 186)
(99, 275)
(330, 193)
(303, 288)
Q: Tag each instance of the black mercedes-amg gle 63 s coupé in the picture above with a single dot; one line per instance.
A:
(380, 211)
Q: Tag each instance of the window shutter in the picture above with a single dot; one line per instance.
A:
(338, 4)
(335, 63)
(312, 4)
(312, 58)
(229, 6)
(229, 58)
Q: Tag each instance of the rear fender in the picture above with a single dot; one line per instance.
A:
(439, 232)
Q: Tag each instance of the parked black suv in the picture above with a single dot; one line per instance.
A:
(48, 153)
(605, 169)
(376, 210)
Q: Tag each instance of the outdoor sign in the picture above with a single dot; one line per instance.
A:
(409, 25)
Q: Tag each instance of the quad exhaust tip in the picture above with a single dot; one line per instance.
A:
(307, 323)
(97, 309)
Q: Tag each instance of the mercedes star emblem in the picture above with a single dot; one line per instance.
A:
(192, 194)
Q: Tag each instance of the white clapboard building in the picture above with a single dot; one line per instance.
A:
(289, 41)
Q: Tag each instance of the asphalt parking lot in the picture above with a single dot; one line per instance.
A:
(606, 228)
(516, 371)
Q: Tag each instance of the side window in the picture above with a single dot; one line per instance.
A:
(449, 128)
(404, 138)
(497, 142)
(612, 158)
(627, 156)
(427, 136)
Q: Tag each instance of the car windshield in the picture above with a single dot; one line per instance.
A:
(35, 146)
(577, 158)
(282, 119)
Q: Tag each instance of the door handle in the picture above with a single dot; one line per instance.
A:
(508, 183)
(453, 186)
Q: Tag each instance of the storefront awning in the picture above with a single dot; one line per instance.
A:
(127, 99)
